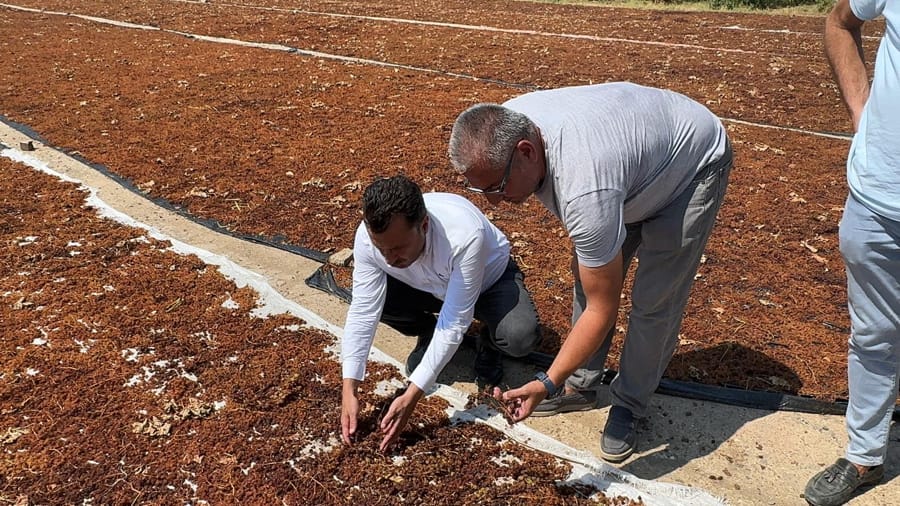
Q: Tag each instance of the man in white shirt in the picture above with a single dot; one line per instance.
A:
(870, 244)
(416, 256)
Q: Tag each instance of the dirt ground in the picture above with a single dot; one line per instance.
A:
(274, 128)
(139, 369)
(748, 457)
(279, 141)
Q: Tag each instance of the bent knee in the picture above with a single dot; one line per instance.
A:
(518, 340)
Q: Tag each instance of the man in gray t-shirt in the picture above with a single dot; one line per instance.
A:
(630, 171)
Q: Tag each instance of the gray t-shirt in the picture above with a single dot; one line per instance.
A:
(617, 153)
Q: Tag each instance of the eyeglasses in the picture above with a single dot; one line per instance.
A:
(501, 188)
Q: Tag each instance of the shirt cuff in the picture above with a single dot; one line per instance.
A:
(442, 348)
(424, 378)
(353, 369)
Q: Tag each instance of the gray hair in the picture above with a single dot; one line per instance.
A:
(487, 132)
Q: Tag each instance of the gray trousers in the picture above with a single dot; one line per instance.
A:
(870, 246)
(668, 246)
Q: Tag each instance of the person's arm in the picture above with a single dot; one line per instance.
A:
(457, 311)
(843, 47)
(397, 416)
(369, 289)
(349, 409)
(602, 288)
(454, 318)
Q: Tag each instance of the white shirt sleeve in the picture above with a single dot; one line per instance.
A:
(457, 312)
(369, 290)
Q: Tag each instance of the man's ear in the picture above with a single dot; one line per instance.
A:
(425, 223)
(527, 148)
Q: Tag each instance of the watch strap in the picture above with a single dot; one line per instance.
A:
(548, 383)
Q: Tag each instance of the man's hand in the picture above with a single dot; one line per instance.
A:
(349, 410)
(521, 401)
(397, 416)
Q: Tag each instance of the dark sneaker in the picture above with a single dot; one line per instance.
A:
(488, 363)
(619, 435)
(836, 483)
(415, 356)
(562, 402)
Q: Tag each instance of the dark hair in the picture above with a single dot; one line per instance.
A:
(389, 196)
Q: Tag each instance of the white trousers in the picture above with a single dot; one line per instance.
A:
(870, 245)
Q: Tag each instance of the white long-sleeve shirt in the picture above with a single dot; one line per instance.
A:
(464, 255)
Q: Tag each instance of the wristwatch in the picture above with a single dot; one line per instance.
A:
(548, 383)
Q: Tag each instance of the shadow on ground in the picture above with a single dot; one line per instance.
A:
(718, 364)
